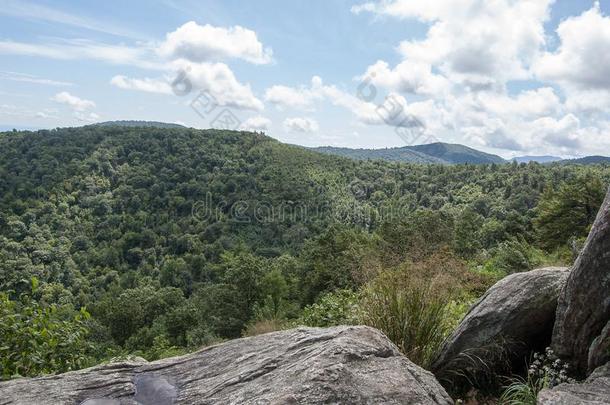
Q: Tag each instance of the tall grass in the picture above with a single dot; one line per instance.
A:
(414, 309)
(411, 315)
(522, 392)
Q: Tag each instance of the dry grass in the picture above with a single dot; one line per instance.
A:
(411, 304)
(263, 326)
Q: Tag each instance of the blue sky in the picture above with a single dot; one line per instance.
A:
(510, 76)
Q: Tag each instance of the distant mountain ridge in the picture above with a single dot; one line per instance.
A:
(587, 160)
(392, 154)
(134, 123)
(538, 159)
(433, 153)
(439, 152)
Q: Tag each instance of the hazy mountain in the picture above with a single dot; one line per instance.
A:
(389, 154)
(439, 152)
(538, 159)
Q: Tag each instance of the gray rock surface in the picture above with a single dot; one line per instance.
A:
(599, 351)
(347, 365)
(583, 308)
(513, 317)
(594, 391)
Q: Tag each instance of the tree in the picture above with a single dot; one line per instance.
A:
(569, 211)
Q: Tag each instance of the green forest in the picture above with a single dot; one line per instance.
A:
(132, 241)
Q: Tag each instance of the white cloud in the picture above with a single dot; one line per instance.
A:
(148, 85)
(12, 111)
(581, 62)
(407, 76)
(86, 117)
(24, 77)
(561, 133)
(216, 79)
(582, 59)
(301, 97)
(527, 104)
(471, 53)
(220, 82)
(192, 49)
(78, 49)
(205, 43)
(257, 123)
(76, 103)
(471, 42)
(301, 124)
(30, 11)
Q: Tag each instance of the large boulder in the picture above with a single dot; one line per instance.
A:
(583, 308)
(352, 365)
(594, 391)
(513, 318)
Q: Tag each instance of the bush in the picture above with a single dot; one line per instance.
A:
(37, 339)
(513, 256)
(336, 308)
(418, 304)
(412, 314)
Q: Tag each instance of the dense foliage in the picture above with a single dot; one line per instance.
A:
(39, 339)
(174, 238)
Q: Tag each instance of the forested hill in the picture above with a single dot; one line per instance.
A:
(405, 155)
(143, 124)
(430, 153)
(172, 238)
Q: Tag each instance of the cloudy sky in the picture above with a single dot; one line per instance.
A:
(512, 77)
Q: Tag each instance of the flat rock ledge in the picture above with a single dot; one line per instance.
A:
(594, 391)
(340, 365)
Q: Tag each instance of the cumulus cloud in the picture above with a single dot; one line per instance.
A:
(76, 103)
(526, 104)
(581, 63)
(205, 43)
(218, 80)
(471, 53)
(469, 41)
(407, 76)
(146, 84)
(301, 124)
(582, 59)
(193, 49)
(257, 123)
(192, 55)
(301, 97)
(561, 133)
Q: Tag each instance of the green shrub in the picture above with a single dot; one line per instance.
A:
(418, 304)
(409, 312)
(336, 308)
(36, 339)
(513, 256)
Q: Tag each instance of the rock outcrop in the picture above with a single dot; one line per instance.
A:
(583, 309)
(513, 317)
(355, 365)
(594, 391)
